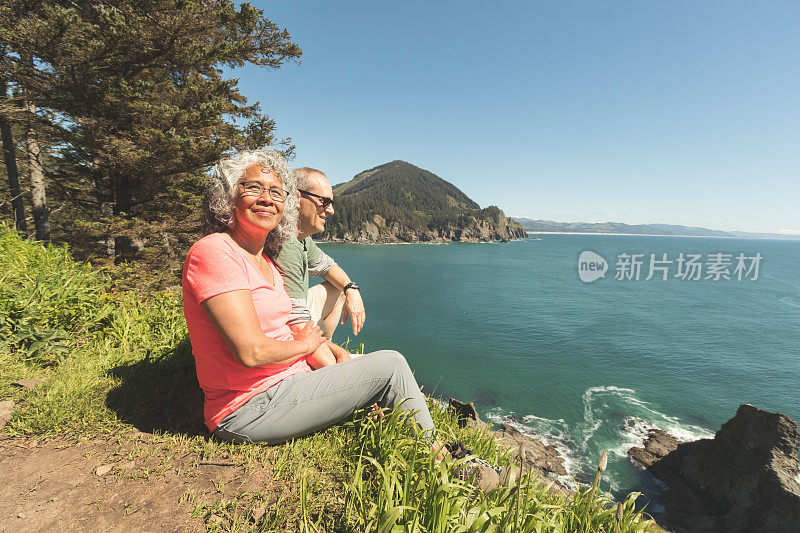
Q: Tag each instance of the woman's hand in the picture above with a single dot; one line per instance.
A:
(310, 337)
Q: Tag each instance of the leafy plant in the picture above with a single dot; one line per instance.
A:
(47, 301)
(397, 484)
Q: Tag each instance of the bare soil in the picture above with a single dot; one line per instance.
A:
(55, 485)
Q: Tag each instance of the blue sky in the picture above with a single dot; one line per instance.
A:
(637, 112)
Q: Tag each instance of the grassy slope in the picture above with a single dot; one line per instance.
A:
(113, 361)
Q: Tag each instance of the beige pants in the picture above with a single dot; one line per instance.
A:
(321, 299)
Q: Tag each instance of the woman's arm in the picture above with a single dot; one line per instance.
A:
(234, 316)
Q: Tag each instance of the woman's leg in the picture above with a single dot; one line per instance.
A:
(310, 402)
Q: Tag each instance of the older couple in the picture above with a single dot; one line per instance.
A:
(260, 337)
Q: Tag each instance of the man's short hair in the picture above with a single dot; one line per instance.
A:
(305, 176)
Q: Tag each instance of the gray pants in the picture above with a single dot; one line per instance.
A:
(305, 403)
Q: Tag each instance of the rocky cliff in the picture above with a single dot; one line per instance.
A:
(543, 459)
(378, 230)
(742, 480)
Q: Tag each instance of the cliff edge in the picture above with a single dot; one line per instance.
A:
(742, 480)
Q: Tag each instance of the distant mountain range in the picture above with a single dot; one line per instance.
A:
(538, 225)
(400, 202)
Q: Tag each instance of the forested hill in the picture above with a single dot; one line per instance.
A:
(400, 202)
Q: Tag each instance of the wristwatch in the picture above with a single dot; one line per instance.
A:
(351, 285)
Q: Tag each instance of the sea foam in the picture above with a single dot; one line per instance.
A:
(614, 419)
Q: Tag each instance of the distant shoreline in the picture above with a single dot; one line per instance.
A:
(535, 233)
(431, 243)
(628, 234)
(787, 238)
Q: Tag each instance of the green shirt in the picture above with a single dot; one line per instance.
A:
(293, 263)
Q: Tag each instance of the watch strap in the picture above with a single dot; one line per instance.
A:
(351, 285)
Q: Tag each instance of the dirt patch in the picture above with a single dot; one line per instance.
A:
(54, 485)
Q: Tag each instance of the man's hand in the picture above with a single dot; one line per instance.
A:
(340, 353)
(354, 307)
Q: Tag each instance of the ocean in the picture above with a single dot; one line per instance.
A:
(590, 366)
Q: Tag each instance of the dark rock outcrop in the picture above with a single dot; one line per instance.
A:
(465, 412)
(742, 480)
(658, 444)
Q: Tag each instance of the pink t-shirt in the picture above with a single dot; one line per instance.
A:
(216, 265)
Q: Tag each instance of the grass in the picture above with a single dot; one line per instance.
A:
(119, 362)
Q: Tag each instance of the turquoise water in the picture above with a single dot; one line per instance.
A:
(587, 366)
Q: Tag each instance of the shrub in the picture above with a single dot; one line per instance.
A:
(47, 300)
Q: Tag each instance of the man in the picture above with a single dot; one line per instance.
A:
(337, 297)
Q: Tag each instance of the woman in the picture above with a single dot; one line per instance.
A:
(254, 371)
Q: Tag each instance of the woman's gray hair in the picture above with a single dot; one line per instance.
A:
(221, 194)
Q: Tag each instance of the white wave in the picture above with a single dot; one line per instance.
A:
(633, 435)
(609, 481)
(636, 432)
(608, 388)
(580, 443)
(550, 433)
(534, 417)
(496, 415)
(792, 300)
(441, 403)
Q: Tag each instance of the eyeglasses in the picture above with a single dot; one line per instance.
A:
(325, 200)
(255, 189)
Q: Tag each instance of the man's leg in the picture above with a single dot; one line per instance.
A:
(306, 403)
(326, 304)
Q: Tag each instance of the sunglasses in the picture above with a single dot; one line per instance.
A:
(324, 199)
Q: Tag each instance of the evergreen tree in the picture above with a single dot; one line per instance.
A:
(133, 95)
(12, 169)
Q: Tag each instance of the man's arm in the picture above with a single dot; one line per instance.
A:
(300, 313)
(353, 304)
(322, 265)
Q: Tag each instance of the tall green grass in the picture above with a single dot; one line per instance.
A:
(116, 359)
(47, 301)
(396, 484)
(65, 322)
